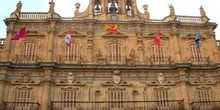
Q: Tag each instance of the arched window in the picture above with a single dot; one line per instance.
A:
(113, 6)
(129, 8)
(97, 7)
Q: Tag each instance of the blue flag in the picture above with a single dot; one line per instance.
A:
(197, 39)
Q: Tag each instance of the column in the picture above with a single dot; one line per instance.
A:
(46, 83)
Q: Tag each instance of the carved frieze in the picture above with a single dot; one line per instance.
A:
(202, 80)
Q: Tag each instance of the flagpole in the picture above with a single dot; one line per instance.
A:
(199, 55)
(159, 54)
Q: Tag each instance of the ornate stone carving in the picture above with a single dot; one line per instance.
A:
(51, 10)
(201, 78)
(17, 12)
(172, 11)
(146, 13)
(70, 78)
(83, 59)
(25, 78)
(99, 57)
(116, 79)
(160, 78)
(202, 12)
(132, 58)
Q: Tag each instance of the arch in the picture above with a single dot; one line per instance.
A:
(135, 95)
(98, 95)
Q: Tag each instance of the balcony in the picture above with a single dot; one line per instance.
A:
(205, 105)
(21, 106)
(26, 59)
(200, 60)
(160, 60)
(117, 105)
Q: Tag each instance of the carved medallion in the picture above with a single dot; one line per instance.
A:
(160, 78)
(70, 78)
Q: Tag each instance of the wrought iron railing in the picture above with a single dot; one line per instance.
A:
(205, 105)
(160, 60)
(21, 106)
(117, 105)
(200, 60)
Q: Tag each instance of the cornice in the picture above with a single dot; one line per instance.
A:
(54, 65)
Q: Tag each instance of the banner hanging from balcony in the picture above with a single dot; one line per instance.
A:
(197, 39)
(157, 38)
(20, 34)
(111, 27)
(68, 37)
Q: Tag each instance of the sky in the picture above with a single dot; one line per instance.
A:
(158, 9)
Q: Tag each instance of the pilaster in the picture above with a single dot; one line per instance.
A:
(8, 42)
(46, 93)
(183, 88)
(51, 41)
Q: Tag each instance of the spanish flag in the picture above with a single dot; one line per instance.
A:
(111, 27)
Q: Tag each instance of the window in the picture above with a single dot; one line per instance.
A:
(68, 96)
(113, 6)
(158, 54)
(115, 53)
(195, 54)
(72, 54)
(204, 96)
(162, 97)
(115, 96)
(23, 95)
(29, 52)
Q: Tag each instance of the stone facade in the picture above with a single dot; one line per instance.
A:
(102, 67)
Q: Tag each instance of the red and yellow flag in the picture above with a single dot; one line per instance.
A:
(111, 27)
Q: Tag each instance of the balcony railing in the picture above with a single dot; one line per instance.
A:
(200, 60)
(205, 105)
(116, 60)
(189, 19)
(71, 59)
(160, 60)
(21, 106)
(117, 105)
(25, 59)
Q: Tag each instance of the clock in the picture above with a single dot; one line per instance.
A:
(114, 17)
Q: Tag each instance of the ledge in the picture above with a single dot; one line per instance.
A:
(109, 66)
